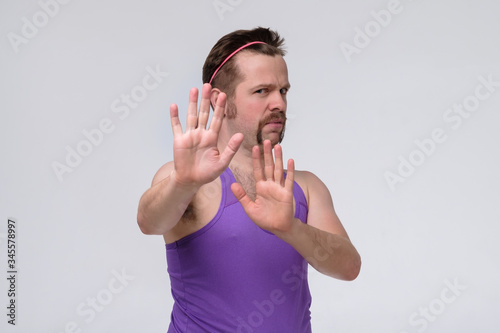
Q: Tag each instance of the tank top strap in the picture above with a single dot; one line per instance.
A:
(301, 208)
(227, 178)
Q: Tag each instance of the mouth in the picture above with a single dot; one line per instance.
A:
(277, 124)
(275, 121)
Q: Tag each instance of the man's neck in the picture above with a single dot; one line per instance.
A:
(242, 160)
(242, 167)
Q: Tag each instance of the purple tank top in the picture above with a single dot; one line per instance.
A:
(232, 276)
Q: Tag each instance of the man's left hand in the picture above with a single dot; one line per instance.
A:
(273, 207)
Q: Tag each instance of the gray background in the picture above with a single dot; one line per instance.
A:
(352, 119)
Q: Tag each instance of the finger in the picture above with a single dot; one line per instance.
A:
(278, 165)
(268, 160)
(192, 114)
(232, 147)
(220, 105)
(290, 175)
(174, 120)
(204, 112)
(241, 195)
(258, 171)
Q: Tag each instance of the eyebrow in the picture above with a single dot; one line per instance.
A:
(269, 85)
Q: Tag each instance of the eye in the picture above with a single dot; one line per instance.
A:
(261, 91)
(283, 91)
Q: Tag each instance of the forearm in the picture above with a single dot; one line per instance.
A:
(330, 254)
(163, 205)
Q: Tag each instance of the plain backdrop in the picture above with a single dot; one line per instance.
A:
(394, 105)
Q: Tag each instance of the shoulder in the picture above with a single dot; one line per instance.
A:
(321, 214)
(310, 184)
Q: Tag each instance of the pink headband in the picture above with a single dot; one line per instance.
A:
(230, 56)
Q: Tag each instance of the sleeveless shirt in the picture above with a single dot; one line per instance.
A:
(233, 276)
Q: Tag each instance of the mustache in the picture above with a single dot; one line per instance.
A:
(273, 117)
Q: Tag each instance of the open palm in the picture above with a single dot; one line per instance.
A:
(273, 207)
(197, 158)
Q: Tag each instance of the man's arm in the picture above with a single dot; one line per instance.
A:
(163, 205)
(197, 161)
(323, 242)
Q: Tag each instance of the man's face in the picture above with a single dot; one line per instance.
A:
(258, 107)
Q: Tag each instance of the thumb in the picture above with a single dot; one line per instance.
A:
(232, 147)
(241, 195)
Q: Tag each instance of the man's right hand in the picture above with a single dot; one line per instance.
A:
(197, 159)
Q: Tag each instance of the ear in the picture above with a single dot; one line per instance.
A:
(214, 95)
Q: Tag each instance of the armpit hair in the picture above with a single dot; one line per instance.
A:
(189, 214)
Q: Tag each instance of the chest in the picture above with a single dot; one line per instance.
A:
(247, 181)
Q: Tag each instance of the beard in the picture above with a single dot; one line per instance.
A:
(278, 116)
(232, 112)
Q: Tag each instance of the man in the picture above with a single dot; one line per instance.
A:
(239, 229)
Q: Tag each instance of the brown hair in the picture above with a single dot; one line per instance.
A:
(228, 76)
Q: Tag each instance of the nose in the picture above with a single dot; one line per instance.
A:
(277, 101)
